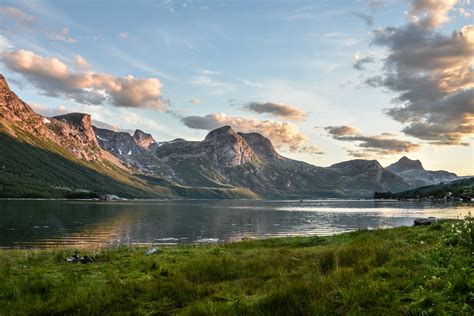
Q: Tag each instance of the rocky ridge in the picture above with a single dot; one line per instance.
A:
(224, 159)
(413, 172)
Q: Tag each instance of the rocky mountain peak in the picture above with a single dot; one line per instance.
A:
(405, 164)
(219, 132)
(12, 107)
(143, 139)
(79, 120)
(261, 145)
(358, 165)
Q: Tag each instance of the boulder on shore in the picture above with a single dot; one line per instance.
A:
(424, 221)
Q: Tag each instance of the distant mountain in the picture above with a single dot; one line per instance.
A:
(371, 174)
(226, 158)
(412, 171)
(66, 156)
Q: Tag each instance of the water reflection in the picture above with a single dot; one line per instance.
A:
(98, 224)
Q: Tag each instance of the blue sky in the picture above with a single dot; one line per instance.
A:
(217, 57)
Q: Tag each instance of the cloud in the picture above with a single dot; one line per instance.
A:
(367, 19)
(194, 101)
(56, 79)
(432, 74)
(18, 15)
(63, 36)
(383, 144)
(342, 130)
(430, 13)
(208, 81)
(465, 13)
(375, 4)
(279, 110)
(111, 127)
(284, 136)
(5, 43)
(123, 35)
(81, 62)
(361, 61)
(251, 83)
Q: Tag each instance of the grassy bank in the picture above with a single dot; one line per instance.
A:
(406, 270)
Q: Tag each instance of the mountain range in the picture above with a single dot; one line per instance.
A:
(66, 156)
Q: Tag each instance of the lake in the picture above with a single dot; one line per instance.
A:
(52, 223)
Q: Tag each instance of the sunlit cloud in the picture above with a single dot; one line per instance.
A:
(432, 74)
(56, 79)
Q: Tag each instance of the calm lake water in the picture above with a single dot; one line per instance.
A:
(45, 223)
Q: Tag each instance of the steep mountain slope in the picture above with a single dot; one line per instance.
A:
(412, 171)
(61, 157)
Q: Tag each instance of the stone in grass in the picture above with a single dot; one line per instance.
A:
(424, 221)
(152, 251)
(75, 258)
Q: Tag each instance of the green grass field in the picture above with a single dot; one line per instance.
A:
(410, 270)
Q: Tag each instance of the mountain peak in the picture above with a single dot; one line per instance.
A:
(82, 120)
(143, 139)
(404, 164)
(358, 164)
(224, 130)
(261, 145)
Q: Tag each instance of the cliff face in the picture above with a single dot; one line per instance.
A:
(71, 131)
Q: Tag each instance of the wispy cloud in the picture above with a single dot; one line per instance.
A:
(384, 144)
(5, 43)
(367, 19)
(251, 83)
(194, 101)
(207, 79)
(63, 36)
(17, 15)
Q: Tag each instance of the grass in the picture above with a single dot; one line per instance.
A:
(410, 270)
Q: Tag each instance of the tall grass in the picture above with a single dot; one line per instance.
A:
(416, 270)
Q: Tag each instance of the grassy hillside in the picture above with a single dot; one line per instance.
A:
(458, 188)
(39, 170)
(410, 270)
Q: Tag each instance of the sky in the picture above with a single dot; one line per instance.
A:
(326, 81)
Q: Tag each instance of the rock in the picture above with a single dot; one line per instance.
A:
(75, 258)
(152, 251)
(424, 221)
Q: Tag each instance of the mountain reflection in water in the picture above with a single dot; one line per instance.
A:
(46, 223)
